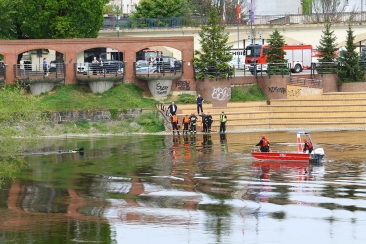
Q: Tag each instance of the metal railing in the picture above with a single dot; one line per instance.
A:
(164, 68)
(26, 71)
(105, 70)
(197, 20)
(213, 73)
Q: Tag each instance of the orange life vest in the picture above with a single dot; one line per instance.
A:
(308, 145)
(186, 120)
(265, 142)
(175, 119)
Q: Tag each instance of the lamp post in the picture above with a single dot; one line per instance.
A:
(252, 38)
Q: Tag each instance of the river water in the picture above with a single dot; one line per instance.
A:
(193, 189)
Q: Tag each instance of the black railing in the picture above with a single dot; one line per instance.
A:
(26, 71)
(105, 70)
(164, 68)
(197, 20)
(213, 73)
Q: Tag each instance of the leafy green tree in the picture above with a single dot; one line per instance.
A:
(327, 51)
(39, 19)
(277, 64)
(215, 55)
(306, 6)
(160, 8)
(350, 70)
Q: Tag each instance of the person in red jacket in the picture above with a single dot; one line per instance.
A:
(307, 146)
(264, 144)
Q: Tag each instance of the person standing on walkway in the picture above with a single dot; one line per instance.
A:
(199, 100)
(208, 121)
(263, 144)
(204, 125)
(45, 67)
(173, 108)
(193, 121)
(174, 119)
(21, 67)
(159, 64)
(185, 124)
(223, 119)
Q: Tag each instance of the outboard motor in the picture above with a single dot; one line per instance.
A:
(316, 156)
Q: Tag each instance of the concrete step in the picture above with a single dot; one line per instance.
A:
(323, 102)
(303, 108)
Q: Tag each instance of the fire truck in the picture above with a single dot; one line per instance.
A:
(298, 57)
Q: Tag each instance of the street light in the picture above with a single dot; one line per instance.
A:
(252, 36)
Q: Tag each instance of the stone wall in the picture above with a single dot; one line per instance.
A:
(94, 116)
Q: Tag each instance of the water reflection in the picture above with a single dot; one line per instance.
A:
(185, 189)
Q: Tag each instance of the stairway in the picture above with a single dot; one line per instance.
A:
(333, 111)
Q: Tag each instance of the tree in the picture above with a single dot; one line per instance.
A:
(277, 64)
(160, 9)
(327, 51)
(203, 7)
(350, 70)
(215, 55)
(40, 19)
(328, 10)
(306, 6)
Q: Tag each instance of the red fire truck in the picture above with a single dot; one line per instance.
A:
(297, 56)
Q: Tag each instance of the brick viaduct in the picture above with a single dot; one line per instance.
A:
(71, 47)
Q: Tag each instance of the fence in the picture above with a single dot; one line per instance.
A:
(198, 20)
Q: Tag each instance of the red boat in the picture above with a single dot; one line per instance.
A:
(298, 155)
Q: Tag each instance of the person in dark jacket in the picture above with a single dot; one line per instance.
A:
(193, 123)
(199, 100)
(263, 144)
(204, 125)
(208, 122)
(173, 108)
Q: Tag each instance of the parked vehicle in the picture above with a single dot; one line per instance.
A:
(113, 66)
(2, 68)
(166, 67)
(143, 66)
(27, 65)
(237, 62)
(298, 56)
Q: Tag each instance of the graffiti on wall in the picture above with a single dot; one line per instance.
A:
(275, 89)
(183, 85)
(161, 89)
(221, 93)
(303, 92)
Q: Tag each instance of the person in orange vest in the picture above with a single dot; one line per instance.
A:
(264, 144)
(307, 146)
(185, 124)
(174, 119)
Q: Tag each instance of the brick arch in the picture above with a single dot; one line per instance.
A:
(38, 47)
(71, 47)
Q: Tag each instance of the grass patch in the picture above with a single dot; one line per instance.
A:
(247, 93)
(76, 97)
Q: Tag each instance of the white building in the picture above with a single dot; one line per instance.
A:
(355, 5)
(275, 7)
(127, 5)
